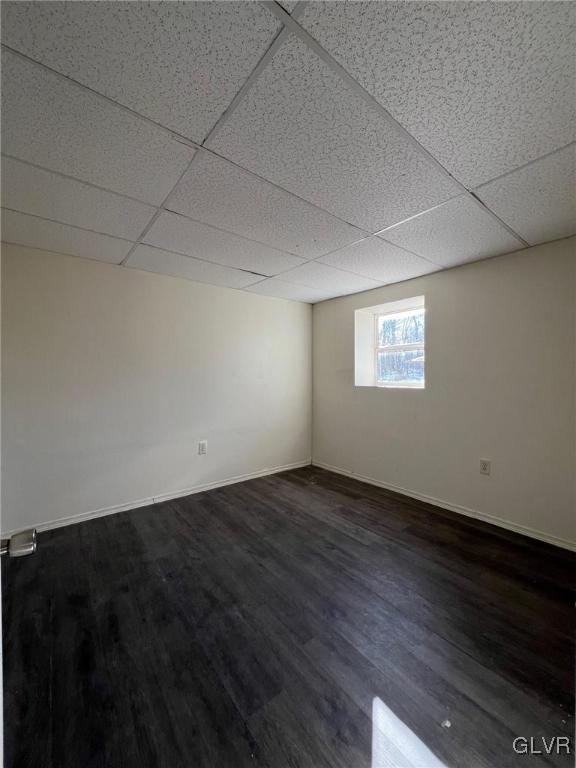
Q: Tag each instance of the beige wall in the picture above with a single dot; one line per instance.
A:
(500, 384)
(111, 376)
(1, 633)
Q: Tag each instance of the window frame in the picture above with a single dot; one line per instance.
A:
(419, 345)
(367, 347)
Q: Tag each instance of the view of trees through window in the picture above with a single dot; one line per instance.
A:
(400, 348)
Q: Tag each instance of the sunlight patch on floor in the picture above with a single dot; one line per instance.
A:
(394, 745)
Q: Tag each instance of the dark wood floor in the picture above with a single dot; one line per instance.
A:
(259, 625)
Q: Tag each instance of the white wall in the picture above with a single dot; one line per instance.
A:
(1, 528)
(500, 384)
(112, 375)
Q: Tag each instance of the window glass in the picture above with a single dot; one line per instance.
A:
(403, 328)
(400, 365)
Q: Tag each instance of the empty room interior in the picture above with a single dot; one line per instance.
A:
(288, 400)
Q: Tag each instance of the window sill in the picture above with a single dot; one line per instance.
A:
(396, 385)
(401, 385)
(390, 386)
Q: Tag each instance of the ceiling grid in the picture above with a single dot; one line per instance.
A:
(234, 212)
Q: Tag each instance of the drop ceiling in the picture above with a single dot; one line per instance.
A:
(294, 150)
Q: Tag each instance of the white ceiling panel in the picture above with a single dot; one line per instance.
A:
(217, 192)
(485, 87)
(177, 233)
(327, 279)
(278, 288)
(42, 193)
(539, 201)
(455, 233)
(305, 167)
(303, 128)
(50, 236)
(289, 5)
(180, 64)
(157, 260)
(379, 260)
(53, 123)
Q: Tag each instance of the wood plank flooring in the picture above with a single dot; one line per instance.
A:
(271, 623)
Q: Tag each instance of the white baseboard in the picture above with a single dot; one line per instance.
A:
(523, 529)
(83, 516)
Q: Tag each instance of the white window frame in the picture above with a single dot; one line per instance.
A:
(420, 345)
(366, 345)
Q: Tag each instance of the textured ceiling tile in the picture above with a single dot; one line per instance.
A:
(456, 232)
(32, 190)
(379, 260)
(301, 127)
(217, 192)
(50, 236)
(484, 86)
(289, 5)
(54, 123)
(165, 263)
(279, 289)
(176, 233)
(180, 64)
(327, 279)
(539, 201)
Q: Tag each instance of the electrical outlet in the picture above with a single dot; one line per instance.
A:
(485, 466)
(202, 447)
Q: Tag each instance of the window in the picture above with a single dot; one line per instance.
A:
(389, 341)
(399, 348)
